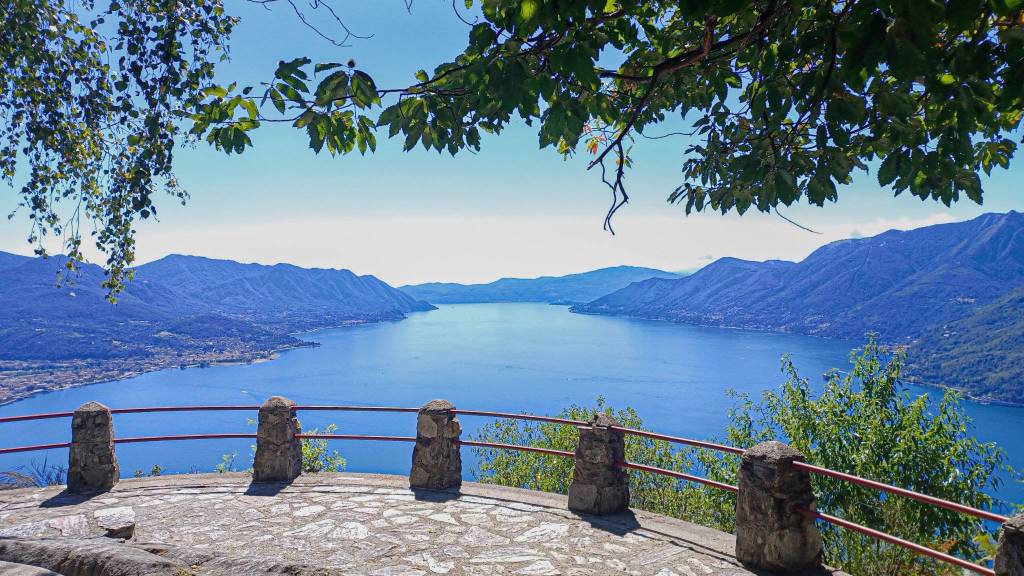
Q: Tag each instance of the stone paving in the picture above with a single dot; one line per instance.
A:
(374, 525)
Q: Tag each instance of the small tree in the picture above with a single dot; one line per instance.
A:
(866, 422)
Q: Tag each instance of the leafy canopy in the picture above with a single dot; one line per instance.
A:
(863, 422)
(782, 99)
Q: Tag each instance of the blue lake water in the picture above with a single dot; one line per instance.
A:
(508, 357)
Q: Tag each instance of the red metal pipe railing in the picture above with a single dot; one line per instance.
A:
(180, 437)
(548, 451)
(680, 475)
(678, 440)
(931, 500)
(24, 417)
(922, 550)
(358, 408)
(355, 437)
(148, 409)
(33, 448)
(939, 502)
(517, 416)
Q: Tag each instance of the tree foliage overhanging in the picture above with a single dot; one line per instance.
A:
(783, 99)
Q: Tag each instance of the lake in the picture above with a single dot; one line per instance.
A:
(507, 357)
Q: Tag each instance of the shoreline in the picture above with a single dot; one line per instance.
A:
(270, 355)
(273, 354)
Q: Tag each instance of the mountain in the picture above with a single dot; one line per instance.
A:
(283, 296)
(582, 287)
(179, 311)
(7, 260)
(900, 284)
(982, 354)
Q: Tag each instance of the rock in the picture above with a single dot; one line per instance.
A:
(436, 460)
(96, 557)
(118, 522)
(599, 485)
(74, 526)
(92, 463)
(1009, 559)
(231, 565)
(11, 569)
(770, 533)
(278, 452)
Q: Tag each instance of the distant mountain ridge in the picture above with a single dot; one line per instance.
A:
(179, 310)
(900, 284)
(568, 289)
(280, 295)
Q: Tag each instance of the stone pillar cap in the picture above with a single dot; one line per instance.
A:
(278, 401)
(92, 406)
(604, 420)
(437, 406)
(1014, 524)
(773, 451)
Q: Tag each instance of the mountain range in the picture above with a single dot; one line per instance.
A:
(178, 311)
(928, 288)
(568, 289)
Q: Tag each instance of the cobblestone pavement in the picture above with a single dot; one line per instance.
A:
(374, 525)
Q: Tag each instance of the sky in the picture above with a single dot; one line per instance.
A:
(512, 210)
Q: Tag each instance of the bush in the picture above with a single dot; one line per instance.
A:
(654, 492)
(316, 458)
(864, 422)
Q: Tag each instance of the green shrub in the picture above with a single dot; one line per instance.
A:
(316, 458)
(864, 422)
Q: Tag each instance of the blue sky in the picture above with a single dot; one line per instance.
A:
(511, 210)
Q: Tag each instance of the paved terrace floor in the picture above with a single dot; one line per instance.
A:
(374, 525)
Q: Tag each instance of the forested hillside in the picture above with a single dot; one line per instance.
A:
(179, 311)
(903, 285)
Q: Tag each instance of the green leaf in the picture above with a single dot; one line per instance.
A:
(215, 91)
(278, 100)
(305, 118)
(324, 66)
(890, 169)
(364, 91)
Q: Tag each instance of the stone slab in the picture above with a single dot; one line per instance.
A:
(374, 525)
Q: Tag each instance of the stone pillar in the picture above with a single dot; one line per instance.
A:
(278, 451)
(770, 534)
(436, 460)
(599, 485)
(1010, 552)
(92, 463)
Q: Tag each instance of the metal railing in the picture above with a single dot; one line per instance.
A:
(810, 468)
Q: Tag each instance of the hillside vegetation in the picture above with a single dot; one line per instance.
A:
(179, 311)
(983, 354)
